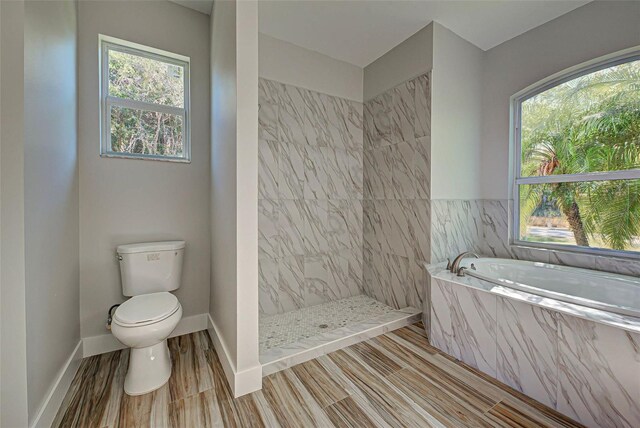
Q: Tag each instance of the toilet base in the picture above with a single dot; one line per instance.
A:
(149, 369)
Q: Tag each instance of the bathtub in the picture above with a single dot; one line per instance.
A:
(609, 292)
(567, 337)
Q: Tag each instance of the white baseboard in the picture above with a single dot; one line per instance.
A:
(49, 408)
(103, 343)
(243, 382)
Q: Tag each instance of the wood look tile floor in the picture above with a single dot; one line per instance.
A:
(395, 380)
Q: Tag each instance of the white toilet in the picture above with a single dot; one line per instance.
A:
(149, 272)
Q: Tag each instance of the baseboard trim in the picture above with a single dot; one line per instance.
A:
(49, 408)
(104, 343)
(243, 382)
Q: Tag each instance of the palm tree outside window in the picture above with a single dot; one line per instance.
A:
(577, 167)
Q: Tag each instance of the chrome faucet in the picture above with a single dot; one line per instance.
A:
(455, 266)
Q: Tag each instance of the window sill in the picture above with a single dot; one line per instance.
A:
(145, 157)
(577, 251)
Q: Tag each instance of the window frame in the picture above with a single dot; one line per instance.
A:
(516, 180)
(107, 44)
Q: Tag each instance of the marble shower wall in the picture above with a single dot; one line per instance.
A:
(397, 171)
(310, 197)
(586, 370)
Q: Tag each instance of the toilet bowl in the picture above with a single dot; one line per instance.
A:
(143, 323)
(149, 272)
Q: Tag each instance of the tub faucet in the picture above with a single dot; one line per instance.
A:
(455, 266)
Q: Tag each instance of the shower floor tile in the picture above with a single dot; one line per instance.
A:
(290, 327)
(295, 337)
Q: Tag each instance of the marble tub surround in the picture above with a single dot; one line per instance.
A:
(478, 225)
(456, 226)
(310, 198)
(624, 322)
(483, 226)
(586, 369)
(397, 146)
(496, 217)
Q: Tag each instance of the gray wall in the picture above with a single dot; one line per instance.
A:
(223, 298)
(409, 59)
(233, 305)
(13, 374)
(50, 193)
(596, 29)
(288, 63)
(456, 144)
(310, 197)
(456, 121)
(125, 200)
(474, 214)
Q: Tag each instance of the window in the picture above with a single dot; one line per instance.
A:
(144, 102)
(577, 165)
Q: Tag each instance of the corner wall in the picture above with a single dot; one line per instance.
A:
(596, 29)
(409, 59)
(397, 171)
(456, 122)
(456, 145)
(287, 63)
(39, 209)
(471, 141)
(310, 177)
(13, 363)
(50, 201)
(233, 304)
(310, 197)
(131, 200)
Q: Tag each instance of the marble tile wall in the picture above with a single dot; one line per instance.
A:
(310, 197)
(586, 370)
(495, 219)
(482, 226)
(456, 226)
(396, 193)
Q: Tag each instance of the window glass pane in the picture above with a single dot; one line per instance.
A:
(143, 79)
(588, 124)
(146, 132)
(599, 214)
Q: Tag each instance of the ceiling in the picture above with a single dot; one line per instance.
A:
(359, 32)
(203, 6)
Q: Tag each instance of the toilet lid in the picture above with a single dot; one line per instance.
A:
(146, 309)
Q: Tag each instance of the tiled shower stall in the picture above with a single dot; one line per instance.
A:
(343, 209)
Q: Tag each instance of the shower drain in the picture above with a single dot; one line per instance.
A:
(323, 326)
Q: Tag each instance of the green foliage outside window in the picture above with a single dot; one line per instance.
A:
(588, 124)
(145, 131)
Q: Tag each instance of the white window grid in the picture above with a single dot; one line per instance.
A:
(108, 44)
(625, 56)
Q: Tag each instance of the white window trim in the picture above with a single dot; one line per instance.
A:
(517, 180)
(107, 43)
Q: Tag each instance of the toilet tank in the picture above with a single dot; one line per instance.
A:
(150, 267)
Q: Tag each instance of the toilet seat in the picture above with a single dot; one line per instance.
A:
(146, 309)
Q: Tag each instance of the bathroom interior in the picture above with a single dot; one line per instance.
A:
(319, 213)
